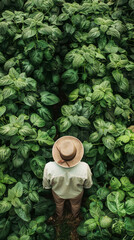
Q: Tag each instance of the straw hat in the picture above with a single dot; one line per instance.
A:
(67, 151)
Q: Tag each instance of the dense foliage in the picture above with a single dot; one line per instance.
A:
(66, 68)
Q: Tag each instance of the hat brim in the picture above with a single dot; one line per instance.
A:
(79, 151)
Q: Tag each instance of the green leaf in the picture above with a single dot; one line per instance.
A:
(129, 225)
(45, 113)
(78, 61)
(74, 95)
(94, 33)
(17, 161)
(23, 213)
(2, 189)
(6, 80)
(28, 33)
(52, 132)
(4, 228)
(97, 95)
(8, 180)
(8, 130)
(91, 224)
(99, 169)
(8, 92)
(94, 137)
(109, 142)
(121, 81)
(63, 124)
(129, 148)
(12, 237)
(37, 120)
(83, 122)
(35, 147)
(23, 150)
(30, 99)
(123, 138)
(8, 15)
(66, 110)
(118, 111)
(114, 205)
(20, 83)
(115, 155)
(5, 153)
(18, 189)
(70, 76)
(34, 196)
(16, 202)
(27, 130)
(2, 110)
(113, 32)
(95, 210)
(87, 147)
(129, 206)
(37, 165)
(43, 137)
(111, 47)
(49, 98)
(25, 237)
(115, 183)
(4, 206)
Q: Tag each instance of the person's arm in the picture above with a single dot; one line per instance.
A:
(46, 181)
(88, 182)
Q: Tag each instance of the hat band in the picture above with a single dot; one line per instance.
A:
(68, 158)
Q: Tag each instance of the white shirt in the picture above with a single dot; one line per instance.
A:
(67, 182)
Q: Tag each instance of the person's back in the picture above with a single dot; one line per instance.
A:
(67, 182)
(67, 175)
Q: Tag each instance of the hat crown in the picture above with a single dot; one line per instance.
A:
(67, 150)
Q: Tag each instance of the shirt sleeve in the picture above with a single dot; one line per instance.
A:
(88, 182)
(46, 181)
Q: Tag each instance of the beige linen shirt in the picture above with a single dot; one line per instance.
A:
(67, 182)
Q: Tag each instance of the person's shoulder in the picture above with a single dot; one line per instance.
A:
(50, 164)
(84, 164)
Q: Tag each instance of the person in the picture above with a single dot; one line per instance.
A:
(67, 175)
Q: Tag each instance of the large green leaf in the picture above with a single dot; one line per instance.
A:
(27, 130)
(83, 122)
(37, 120)
(4, 228)
(18, 189)
(2, 110)
(121, 81)
(97, 95)
(37, 165)
(8, 92)
(94, 33)
(78, 60)
(63, 124)
(5, 153)
(114, 204)
(29, 32)
(113, 32)
(43, 137)
(109, 142)
(70, 76)
(99, 169)
(73, 95)
(2, 189)
(23, 213)
(4, 206)
(49, 98)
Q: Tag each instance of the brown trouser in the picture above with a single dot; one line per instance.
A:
(75, 204)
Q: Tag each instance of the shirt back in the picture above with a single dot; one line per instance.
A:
(67, 182)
